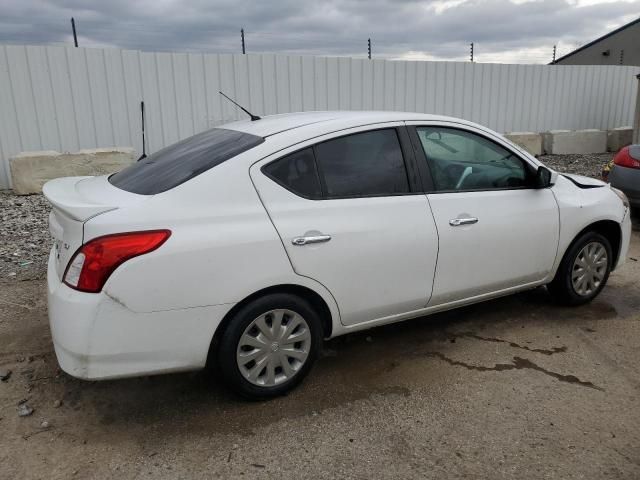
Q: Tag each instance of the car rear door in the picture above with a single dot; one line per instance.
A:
(351, 215)
(496, 230)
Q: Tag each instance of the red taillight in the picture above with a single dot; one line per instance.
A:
(95, 261)
(624, 159)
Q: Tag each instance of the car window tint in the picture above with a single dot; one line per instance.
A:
(183, 161)
(363, 164)
(297, 173)
(461, 160)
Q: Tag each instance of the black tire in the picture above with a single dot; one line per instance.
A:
(227, 347)
(561, 287)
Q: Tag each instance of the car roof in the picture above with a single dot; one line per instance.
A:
(329, 121)
(288, 129)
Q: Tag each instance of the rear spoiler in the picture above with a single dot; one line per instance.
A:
(63, 195)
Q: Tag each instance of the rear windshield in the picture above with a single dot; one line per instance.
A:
(183, 161)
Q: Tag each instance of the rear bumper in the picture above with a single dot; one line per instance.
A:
(96, 337)
(627, 180)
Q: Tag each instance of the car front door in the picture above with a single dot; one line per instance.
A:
(351, 215)
(496, 230)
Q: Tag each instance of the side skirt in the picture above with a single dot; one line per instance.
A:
(342, 329)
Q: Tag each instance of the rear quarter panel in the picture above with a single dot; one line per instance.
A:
(223, 246)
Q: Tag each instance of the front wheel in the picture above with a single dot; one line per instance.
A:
(584, 270)
(269, 346)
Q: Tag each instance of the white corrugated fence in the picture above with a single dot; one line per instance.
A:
(66, 99)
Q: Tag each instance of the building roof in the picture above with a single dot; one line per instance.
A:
(613, 32)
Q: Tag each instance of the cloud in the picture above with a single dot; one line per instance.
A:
(522, 31)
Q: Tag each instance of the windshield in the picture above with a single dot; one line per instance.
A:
(183, 161)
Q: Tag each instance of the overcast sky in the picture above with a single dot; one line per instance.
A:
(507, 31)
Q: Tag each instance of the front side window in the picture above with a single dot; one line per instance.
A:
(461, 160)
(183, 161)
(362, 164)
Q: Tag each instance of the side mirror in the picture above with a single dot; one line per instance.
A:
(543, 178)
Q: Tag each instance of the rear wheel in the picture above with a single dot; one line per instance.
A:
(269, 346)
(584, 270)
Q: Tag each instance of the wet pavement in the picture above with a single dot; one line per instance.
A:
(512, 388)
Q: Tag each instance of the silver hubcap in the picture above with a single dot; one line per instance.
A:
(273, 348)
(589, 268)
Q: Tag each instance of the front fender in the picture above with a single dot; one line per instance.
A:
(581, 207)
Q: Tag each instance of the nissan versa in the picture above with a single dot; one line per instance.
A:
(247, 245)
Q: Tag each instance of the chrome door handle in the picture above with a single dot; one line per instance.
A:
(456, 222)
(311, 239)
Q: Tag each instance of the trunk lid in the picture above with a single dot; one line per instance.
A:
(74, 201)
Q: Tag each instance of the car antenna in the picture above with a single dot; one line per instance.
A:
(253, 117)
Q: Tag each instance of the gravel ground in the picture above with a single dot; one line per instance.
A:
(24, 236)
(589, 165)
(25, 240)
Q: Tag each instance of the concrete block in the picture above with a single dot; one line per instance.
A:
(561, 142)
(529, 141)
(547, 139)
(618, 138)
(30, 170)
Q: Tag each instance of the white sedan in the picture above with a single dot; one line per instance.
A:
(246, 245)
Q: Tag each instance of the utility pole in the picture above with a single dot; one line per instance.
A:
(242, 39)
(73, 28)
(472, 51)
(369, 48)
(554, 55)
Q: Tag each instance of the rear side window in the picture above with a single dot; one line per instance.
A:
(183, 161)
(363, 164)
(297, 173)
